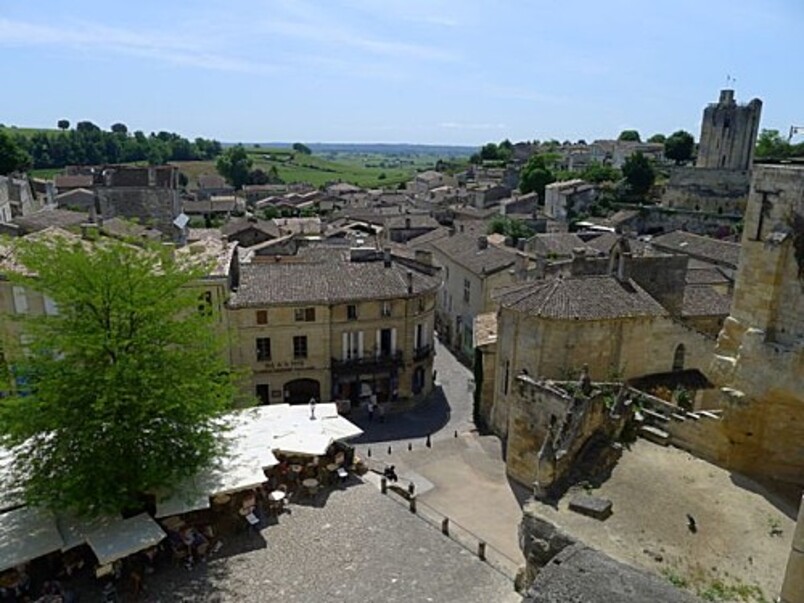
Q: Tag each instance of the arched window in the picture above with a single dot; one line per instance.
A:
(678, 358)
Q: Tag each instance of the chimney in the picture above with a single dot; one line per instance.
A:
(623, 267)
(578, 261)
(521, 267)
(482, 242)
(410, 282)
(386, 258)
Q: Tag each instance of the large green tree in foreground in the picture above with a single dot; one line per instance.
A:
(122, 385)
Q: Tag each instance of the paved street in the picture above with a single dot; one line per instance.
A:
(446, 410)
(462, 477)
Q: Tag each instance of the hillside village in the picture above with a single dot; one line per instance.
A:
(589, 317)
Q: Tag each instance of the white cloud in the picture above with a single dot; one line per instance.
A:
(171, 48)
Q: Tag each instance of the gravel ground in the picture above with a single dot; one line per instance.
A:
(352, 544)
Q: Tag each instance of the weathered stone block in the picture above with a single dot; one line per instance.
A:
(591, 506)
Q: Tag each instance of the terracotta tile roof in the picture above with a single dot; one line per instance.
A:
(463, 249)
(706, 248)
(581, 298)
(297, 282)
(702, 300)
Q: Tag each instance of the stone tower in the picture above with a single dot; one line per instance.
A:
(729, 133)
(759, 359)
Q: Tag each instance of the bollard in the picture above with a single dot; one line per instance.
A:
(481, 550)
(368, 452)
(410, 446)
(445, 526)
(411, 488)
(456, 433)
(413, 504)
(383, 485)
(389, 450)
(427, 443)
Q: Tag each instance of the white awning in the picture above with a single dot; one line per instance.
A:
(187, 497)
(25, 534)
(123, 537)
(74, 529)
(307, 443)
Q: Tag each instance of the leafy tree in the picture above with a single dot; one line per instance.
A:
(639, 173)
(119, 128)
(234, 165)
(629, 135)
(123, 385)
(597, 172)
(86, 126)
(63, 124)
(657, 138)
(273, 176)
(535, 176)
(12, 156)
(516, 229)
(679, 146)
(771, 145)
(302, 148)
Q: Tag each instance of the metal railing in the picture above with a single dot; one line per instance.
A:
(405, 494)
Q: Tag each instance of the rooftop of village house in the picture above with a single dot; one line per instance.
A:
(328, 275)
(701, 247)
(581, 298)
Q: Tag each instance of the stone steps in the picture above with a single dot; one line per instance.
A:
(655, 435)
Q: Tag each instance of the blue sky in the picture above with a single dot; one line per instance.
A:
(425, 71)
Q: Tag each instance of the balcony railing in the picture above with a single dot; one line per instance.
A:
(369, 361)
(422, 352)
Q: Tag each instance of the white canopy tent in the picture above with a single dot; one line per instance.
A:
(123, 537)
(254, 434)
(74, 529)
(25, 534)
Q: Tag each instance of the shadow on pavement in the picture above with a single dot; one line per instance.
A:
(426, 419)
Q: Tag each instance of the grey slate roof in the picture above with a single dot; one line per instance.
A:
(702, 300)
(45, 218)
(235, 226)
(721, 252)
(295, 282)
(581, 298)
(463, 249)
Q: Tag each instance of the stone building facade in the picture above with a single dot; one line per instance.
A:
(472, 269)
(335, 324)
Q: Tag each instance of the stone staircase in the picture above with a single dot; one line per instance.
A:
(664, 424)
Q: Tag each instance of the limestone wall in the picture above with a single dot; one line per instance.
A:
(714, 190)
(759, 360)
(529, 420)
(612, 349)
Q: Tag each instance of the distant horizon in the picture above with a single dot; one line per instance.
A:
(436, 72)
